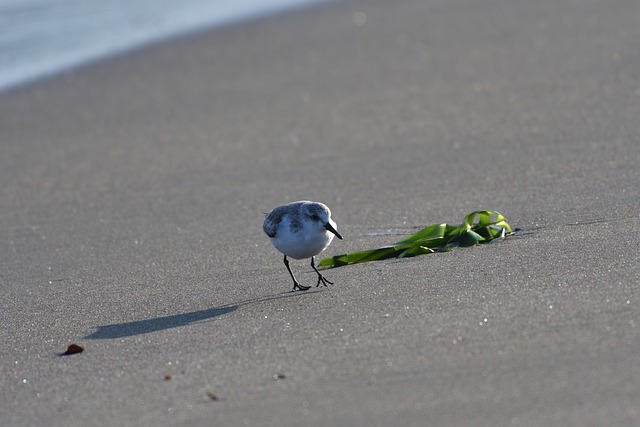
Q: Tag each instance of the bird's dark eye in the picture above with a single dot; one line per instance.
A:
(315, 217)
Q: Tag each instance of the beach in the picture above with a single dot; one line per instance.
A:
(134, 190)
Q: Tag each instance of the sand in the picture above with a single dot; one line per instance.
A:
(133, 194)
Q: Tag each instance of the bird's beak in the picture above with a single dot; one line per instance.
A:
(329, 227)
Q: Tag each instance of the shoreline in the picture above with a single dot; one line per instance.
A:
(103, 48)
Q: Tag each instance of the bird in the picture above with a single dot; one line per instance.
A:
(301, 230)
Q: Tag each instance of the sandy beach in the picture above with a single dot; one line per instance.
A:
(133, 194)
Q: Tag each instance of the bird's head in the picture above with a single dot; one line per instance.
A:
(320, 214)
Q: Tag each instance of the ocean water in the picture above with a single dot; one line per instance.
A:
(39, 38)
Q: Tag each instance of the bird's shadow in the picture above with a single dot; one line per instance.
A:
(140, 327)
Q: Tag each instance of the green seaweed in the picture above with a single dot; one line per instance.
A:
(477, 227)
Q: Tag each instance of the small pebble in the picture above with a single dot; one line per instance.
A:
(73, 349)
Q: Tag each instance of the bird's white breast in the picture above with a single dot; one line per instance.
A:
(304, 243)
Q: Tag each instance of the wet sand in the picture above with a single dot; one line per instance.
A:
(133, 194)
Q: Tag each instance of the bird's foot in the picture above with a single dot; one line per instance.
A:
(297, 286)
(323, 280)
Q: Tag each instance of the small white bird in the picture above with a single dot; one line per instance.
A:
(301, 230)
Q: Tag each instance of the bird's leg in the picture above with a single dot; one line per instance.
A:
(321, 278)
(296, 285)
